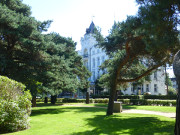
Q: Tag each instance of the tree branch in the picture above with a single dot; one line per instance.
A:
(142, 75)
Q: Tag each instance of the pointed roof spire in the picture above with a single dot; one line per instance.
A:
(91, 28)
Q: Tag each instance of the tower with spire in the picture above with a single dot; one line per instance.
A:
(93, 56)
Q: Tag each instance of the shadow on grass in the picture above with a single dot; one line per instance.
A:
(57, 110)
(129, 106)
(116, 125)
(49, 104)
(47, 111)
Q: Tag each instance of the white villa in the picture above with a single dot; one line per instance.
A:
(93, 57)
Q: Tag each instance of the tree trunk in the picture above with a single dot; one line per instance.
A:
(111, 99)
(33, 101)
(87, 97)
(53, 99)
(176, 68)
(177, 124)
(46, 100)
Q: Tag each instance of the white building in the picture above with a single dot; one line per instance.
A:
(93, 57)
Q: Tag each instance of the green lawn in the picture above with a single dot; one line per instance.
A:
(73, 120)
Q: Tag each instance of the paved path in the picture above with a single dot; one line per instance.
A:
(170, 115)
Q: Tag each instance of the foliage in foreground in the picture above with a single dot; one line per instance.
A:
(15, 105)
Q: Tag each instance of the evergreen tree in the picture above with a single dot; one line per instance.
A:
(21, 43)
(44, 63)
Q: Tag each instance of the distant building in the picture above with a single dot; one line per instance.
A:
(93, 57)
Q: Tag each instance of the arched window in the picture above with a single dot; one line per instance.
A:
(85, 53)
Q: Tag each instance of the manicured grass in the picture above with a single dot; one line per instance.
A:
(73, 120)
(167, 109)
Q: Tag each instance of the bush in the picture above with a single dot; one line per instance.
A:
(15, 106)
(106, 100)
(171, 91)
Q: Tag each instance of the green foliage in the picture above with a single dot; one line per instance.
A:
(97, 34)
(168, 80)
(15, 106)
(172, 91)
(66, 71)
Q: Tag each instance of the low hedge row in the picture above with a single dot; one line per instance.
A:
(119, 97)
(148, 102)
(124, 101)
(170, 97)
(163, 97)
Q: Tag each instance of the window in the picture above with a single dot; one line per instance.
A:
(98, 61)
(85, 55)
(98, 51)
(147, 87)
(93, 52)
(155, 87)
(131, 88)
(142, 89)
(94, 77)
(93, 62)
(155, 75)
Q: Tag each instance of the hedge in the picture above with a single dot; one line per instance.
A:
(170, 97)
(148, 102)
(124, 101)
(119, 97)
(163, 97)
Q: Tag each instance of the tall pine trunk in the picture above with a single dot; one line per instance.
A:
(46, 100)
(87, 97)
(53, 99)
(33, 101)
(111, 99)
(177, 124)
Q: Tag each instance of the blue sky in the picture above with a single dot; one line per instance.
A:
(72, 17)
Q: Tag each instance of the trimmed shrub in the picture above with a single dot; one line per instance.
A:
(106, 100)
(148, 102)
(15, 106)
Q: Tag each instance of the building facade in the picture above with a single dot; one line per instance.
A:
(93, 57)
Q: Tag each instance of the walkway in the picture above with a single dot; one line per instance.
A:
(170, 115)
